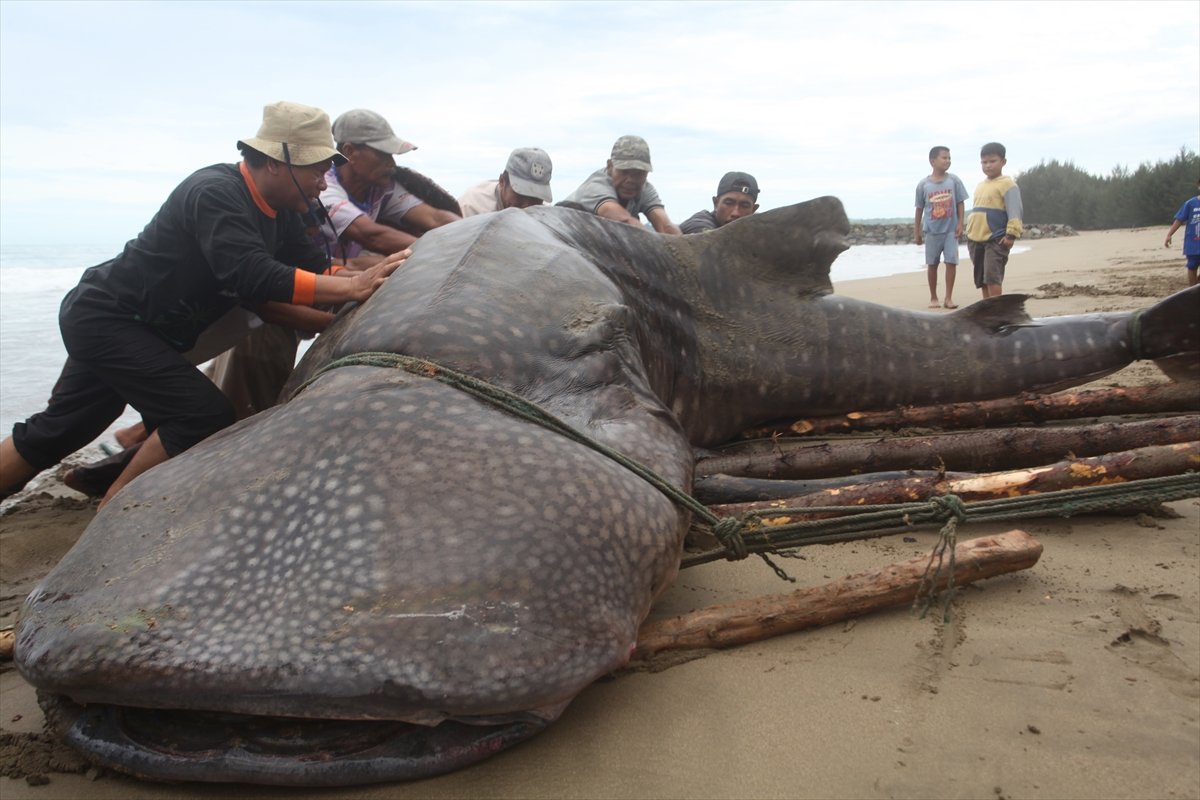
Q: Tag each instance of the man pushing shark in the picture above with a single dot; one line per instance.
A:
(230, 234)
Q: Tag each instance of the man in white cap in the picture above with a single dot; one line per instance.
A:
(525, 182)
(229, 234)
(620, 190)
(368, 209)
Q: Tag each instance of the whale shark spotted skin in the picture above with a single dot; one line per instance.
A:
(385, 578)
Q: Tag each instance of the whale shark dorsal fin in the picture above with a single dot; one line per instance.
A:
(994, 314)
(794, 245)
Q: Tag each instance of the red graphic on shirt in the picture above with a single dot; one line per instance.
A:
(941, 204)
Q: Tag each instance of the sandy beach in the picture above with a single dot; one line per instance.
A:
(1078, 678)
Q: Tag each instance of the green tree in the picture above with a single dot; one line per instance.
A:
(1058, 192)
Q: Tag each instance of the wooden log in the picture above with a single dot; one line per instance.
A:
(1150, 399)
(902, 490)
(852, 596)
(1127, 465)
(969, 451)
(728, 489)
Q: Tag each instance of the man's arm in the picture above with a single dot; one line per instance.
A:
(356, 263)
(301, 318)
(425, 218)
(697, 223)
(918, 234)
(958, 226)
(334, 289)
(661, 222)
(1174, 227)
(611, 209)
(374, 236)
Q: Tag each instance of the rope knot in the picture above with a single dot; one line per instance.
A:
(728, 531)
(950, 507)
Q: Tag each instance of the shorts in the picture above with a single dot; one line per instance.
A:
(1193, 260)
(941, 247)
(989, 260)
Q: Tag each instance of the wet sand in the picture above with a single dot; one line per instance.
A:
(1077, 678)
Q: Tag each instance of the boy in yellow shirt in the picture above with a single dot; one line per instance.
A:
(994, 224)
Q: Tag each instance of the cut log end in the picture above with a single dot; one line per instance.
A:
(734, 624)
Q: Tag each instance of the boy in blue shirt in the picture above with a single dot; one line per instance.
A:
(1189, 215)
(940, 198)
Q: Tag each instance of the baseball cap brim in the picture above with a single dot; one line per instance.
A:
(393, 144)
(530, 189)
(632, 164)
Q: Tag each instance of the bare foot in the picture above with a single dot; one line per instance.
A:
(128, 437)
(72, 480)
(951, 305)
(934, 303)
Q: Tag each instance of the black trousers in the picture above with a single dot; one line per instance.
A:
(112, 362)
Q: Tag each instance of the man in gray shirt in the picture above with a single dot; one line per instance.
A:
(620, 191)
(737, 196)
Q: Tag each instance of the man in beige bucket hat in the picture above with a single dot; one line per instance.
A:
(620, 190)
(229, 234)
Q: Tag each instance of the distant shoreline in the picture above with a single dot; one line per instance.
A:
(902, 232)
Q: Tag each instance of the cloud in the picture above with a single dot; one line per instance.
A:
(115, 102)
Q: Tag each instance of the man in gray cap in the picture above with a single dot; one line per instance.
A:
(525, 182)
(737, 196)
(620, 190)
(368, 208)
(229, 234)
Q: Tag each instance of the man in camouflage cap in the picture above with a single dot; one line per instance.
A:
(620, 191)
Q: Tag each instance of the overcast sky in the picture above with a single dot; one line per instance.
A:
(105, 107)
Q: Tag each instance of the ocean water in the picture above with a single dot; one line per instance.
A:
(33, 280)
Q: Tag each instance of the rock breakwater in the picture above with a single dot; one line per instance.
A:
(903, 233)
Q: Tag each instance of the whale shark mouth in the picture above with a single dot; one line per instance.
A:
(183, 745)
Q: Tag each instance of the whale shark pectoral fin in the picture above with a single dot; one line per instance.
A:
(797, 244)
(1180, 368)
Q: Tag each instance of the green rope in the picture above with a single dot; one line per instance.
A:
(727, 532)
(740, 537)
(1135, 335)
(860, 522)
(947, 540)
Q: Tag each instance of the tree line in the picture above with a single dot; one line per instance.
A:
(1150, 195)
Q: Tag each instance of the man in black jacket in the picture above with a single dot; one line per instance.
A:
(230, 234)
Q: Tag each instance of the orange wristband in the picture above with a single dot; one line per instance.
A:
(304, 291)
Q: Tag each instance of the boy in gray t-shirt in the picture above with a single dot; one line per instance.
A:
(620, 191)
(940, 213)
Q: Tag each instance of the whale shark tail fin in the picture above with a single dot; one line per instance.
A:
(1169, 333)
